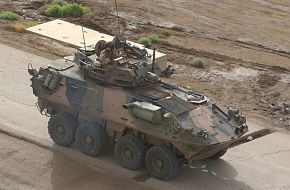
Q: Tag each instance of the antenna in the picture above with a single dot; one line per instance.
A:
(117, 16)
(84, 42)
(84, 38)
(153, 60)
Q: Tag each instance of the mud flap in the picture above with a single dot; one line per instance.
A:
(250, 137)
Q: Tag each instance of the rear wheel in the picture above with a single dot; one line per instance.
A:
(161, 163)
(130, 152)
(219, 154)
(91, 139)
(61, 128)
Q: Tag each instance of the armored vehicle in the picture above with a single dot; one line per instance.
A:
(152, 122)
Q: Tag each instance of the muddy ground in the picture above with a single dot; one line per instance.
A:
(245, 45)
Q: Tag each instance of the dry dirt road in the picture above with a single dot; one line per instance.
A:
(261, 164)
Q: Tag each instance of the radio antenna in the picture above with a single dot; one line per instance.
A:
(84, 42)
(117, 16)
(84, 38)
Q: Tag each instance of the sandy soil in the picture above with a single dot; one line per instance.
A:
(245, 45)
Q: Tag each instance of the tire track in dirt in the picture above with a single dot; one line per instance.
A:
(249, 45)
(224, 58)
(221, 57)
(259, 47)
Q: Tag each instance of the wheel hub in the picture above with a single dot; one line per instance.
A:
(128, 154)
(60, 130)
(88, 139)
(159, 163)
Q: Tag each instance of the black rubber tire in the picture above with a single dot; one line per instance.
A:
(166, 159)
(96, 136)
(133, 146)
(62, 128)
(219, 154)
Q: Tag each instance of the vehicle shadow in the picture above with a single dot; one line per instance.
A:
(209, 174)
(68, 173)
(204, 174)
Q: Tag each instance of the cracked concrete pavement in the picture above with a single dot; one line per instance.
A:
(261, 164)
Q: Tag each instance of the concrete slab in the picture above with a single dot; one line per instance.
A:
(72, 34)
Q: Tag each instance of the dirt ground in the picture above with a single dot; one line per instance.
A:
(245, 45)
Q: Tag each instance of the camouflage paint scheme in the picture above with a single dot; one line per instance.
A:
(155, 114)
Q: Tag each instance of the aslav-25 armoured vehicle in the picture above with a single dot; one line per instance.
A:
(152, 122)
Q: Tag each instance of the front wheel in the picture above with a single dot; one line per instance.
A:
(161, 163)
(61, 128)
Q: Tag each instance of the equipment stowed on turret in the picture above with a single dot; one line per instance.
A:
(127, 68)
